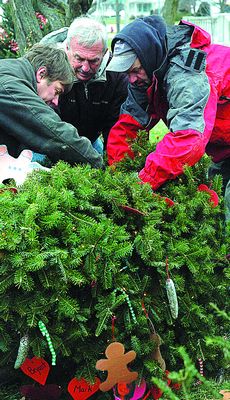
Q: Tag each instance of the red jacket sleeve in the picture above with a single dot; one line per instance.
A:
(117, 146)
(173, 152)
(182, 147)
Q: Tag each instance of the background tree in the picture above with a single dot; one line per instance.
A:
(26, 26)
(187, 6)
(169, 11)
(29, 21)
(54, 10)
(224, 7)
(204, 9)
(77, 8)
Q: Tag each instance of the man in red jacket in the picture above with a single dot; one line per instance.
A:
(176, 75)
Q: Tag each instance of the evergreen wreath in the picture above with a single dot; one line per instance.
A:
(79, 246)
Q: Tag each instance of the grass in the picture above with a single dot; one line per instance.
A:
(157, 132)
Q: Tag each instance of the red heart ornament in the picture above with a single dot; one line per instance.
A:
(81, 389)
(37, 369)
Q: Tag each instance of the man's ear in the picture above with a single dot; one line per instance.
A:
(41, 73)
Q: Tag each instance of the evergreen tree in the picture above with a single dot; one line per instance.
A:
(80, 246)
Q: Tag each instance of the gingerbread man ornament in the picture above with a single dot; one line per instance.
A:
(116, 365)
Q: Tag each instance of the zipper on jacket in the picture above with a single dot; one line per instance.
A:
(86, 91)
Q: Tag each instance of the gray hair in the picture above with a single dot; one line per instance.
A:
(88, 32)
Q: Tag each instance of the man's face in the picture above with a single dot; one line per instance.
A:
(137, 75)
(50, 91)
(85, 60)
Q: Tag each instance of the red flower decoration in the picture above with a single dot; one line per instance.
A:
(156, 392)
(13, 46)
(41, 19)
(169, 201)
(176, 386)
(3, 34)
(10, 189)
(167, 372)
(214, 199)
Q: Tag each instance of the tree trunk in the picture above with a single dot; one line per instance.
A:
(26, 25)
(77, 8)
(185, 6)
(117, 16)
(170, 11)
(55, 11)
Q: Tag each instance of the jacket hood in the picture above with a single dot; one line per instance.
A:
(200, 38)
(147, 37)
(56, 38)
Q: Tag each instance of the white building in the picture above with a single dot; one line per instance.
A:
(217, 25)
(138, 8)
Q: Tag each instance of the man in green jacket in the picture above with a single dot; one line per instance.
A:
(28, 86)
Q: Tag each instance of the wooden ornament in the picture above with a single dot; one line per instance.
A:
(37, 369)
(14, 168)
(116, 365)
(80, 389)
(226, 394)
(17, 168)
(156, 354)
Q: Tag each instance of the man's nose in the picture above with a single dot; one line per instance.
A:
(85, 66)
(55, 100)
(132, 78)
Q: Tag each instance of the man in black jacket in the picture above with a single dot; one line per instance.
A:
(93, 104)
(28, 86)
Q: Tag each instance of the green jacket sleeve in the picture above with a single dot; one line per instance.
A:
(34, 124)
